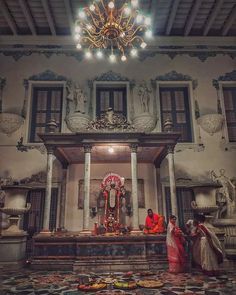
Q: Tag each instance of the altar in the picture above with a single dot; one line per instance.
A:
(120, 246)
(102, 253)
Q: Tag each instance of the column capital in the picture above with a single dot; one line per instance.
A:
(87, 148)
(50, 149)
(170, 149)
(134, 147)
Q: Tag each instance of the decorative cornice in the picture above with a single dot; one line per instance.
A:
(47, 75)
(227, 77)
(174, 76)
(25, 148)
(202, 52)
(111, 76)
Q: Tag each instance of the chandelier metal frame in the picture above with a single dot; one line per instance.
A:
(115, 26)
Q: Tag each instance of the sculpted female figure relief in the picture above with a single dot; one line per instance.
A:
(76, 94)
(225, 195)
(144, 94)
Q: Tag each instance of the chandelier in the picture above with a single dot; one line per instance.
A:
(114, 27)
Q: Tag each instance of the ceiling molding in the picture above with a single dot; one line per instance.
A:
(192, 17)
(212, 16)
(8, 17)
(229, 22)
(10, 40)
(49, 16)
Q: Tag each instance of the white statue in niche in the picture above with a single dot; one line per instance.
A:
(80, 99)
(76, 94)
(225, 195)
(144, 94)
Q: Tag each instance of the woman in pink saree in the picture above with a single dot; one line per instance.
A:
(175, 247)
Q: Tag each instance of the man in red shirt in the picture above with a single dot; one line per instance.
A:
(154, 223)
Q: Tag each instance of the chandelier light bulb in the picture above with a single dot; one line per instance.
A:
(147, 21)
(99, 54)
(92, 7)
(77, 29)
(112, 57)
(134, 52)
(111, 5)
(148, 34)
(82, 14)
(78, 46)
(122, 35)
(143, 45)
(77, 36)
(139, 18)
(123, 58)
(134, 3)
(127, 10)
(88, 54)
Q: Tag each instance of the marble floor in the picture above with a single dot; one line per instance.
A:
(27, 282)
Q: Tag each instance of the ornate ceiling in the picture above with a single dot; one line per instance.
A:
(170, 17)
(190, 27)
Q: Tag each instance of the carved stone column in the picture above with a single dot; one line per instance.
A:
(171, 165)
(46, 216)
(87, 166)
(63, 197)
(134, 148)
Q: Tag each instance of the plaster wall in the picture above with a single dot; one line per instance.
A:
(191, 160)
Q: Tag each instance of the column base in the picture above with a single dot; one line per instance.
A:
(86, 232)
(45, 231)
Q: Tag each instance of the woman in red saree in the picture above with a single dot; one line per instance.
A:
(175, 247)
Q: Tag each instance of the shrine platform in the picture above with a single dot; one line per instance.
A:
(71, 251)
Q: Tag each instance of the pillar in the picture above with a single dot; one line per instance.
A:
(63, 197)
(171, 165)
(47, 204)
(87, 168)
(134, 148)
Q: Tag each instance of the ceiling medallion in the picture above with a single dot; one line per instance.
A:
(116, 27)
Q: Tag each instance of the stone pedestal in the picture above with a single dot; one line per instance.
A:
(13, 239)
(145, 122)
(205, 202)
(77, 122)
(228, 226)
(12, 251)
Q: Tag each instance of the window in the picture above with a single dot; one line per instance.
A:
(175, 106)
(111, 97)
(46, 105)
(229, 94)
